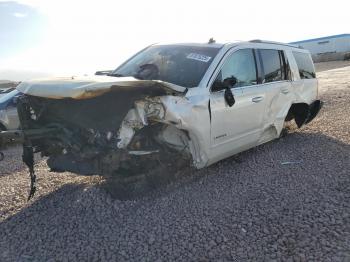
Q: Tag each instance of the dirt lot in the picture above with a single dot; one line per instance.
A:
(288, 200)
(324, 66)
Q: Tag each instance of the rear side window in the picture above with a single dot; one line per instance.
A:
(273, 65)
(305, 65)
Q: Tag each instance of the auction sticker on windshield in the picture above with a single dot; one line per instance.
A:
(199, 57)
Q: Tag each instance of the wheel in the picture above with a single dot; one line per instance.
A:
(1, 139)
(288, 127)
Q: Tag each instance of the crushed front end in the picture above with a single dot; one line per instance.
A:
(122, 132)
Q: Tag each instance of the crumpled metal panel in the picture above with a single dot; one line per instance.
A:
(136, 118)
(189, 117)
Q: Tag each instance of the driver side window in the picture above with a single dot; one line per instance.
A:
(239, 66)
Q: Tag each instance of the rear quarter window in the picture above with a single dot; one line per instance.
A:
(305, 65)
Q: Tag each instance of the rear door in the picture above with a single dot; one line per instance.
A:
(276, 86)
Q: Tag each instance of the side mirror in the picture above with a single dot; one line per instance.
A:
(228, 83)
(229, 98)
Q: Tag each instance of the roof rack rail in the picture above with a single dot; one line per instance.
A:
(272, 42)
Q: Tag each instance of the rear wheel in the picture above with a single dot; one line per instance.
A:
(289, 126)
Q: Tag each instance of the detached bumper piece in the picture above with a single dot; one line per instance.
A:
(28, 159)
(27, 156)
(314, 109)
(304, 113)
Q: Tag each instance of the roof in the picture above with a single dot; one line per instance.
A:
(215, 45)
(321, 38)
(235, 42)
(272, 42)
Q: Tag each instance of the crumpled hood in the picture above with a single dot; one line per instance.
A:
(87, 87)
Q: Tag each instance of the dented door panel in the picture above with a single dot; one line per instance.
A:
(305, 90)
(279, 97)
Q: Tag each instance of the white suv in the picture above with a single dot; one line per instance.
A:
(169, 102)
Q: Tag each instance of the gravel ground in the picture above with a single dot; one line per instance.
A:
(324, 66)
(288, 200)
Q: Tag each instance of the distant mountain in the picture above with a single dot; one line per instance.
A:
(20, 75)
(4, 81)
(4, 84)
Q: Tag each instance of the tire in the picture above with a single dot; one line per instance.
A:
(2, 128)
(289, 126)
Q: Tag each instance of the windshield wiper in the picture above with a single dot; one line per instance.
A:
(116, 75)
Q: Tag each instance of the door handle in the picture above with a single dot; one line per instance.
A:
(257, 99)
(285, 91)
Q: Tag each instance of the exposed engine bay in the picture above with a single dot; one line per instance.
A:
(123, 131)
(98, 135)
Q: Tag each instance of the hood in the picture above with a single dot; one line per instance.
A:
(88, 87)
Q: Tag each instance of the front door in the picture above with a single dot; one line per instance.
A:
(238, 127)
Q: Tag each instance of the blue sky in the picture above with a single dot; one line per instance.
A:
(21, 26)
(66, 37)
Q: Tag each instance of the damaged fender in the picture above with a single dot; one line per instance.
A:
(181, 117)
(115, 125)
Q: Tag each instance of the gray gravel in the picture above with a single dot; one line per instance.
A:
(288, 200)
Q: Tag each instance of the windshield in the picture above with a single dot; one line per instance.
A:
(4, 98)
(176, 64)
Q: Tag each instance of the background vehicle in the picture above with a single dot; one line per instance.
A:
(7, 86)
(8, 111)
(4, 91)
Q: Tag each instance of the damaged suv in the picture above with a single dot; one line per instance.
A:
(188, 103)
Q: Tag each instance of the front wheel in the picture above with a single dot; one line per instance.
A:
(1, 139)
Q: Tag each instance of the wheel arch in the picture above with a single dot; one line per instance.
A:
(194, 144)
(303, 113)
